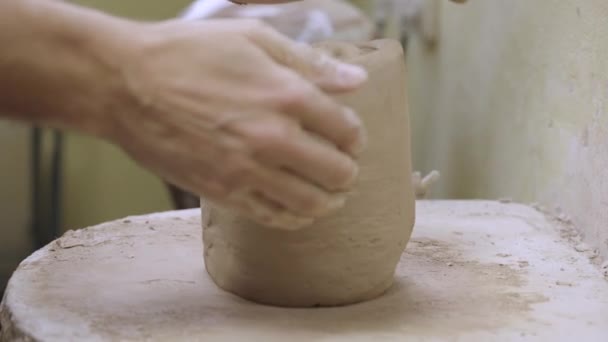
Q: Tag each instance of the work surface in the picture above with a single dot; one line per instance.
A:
(473, 271)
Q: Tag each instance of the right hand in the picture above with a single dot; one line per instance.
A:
(233, 111)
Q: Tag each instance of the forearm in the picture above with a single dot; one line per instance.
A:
(56, 65)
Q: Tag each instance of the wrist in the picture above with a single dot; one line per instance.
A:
(102, 42)
(108, 42)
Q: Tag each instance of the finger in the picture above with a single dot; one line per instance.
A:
(295, 194)
(326, 72)
(288, 191)
(321, 115)
(237, 187)
(281, 142)
(314, 159)
(264, 211)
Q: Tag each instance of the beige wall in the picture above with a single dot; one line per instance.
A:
(138, 9)
(101, 183)
(514, 103)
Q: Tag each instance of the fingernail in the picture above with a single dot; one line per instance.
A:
(353, 178)
(361, 140)
(352, 117)
(351, 74)
(336, 202)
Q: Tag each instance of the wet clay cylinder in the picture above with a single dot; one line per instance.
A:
(351, 255)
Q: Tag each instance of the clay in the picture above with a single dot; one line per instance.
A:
(351, 255)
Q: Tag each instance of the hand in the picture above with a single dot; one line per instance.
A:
(242, 2)
(236, 112)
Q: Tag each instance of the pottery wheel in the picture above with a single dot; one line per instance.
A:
(473, 270)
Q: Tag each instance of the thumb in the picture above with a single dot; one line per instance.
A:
(320, 68)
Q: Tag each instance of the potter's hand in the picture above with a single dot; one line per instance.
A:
(283, 1)
(233, 110)
(226, 109)
(261, 1)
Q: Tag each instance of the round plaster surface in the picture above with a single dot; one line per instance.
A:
(142, 278)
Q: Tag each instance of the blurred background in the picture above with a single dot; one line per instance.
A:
(508, 99)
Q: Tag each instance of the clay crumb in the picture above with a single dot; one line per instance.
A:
(126, 221)
(505, 200)
(581, 247)
(151, 228)
(538, 207)
(450, 264)
(605, 265)
(594, 254)
(503, 255)
(564, 283)
(523, 263)
(564, 218)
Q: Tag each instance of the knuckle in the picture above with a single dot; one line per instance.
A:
(312, 205)
(213, 189)
(280, 132)
(272, 137)
(236, 172)
(293, 96)
(233, 149)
